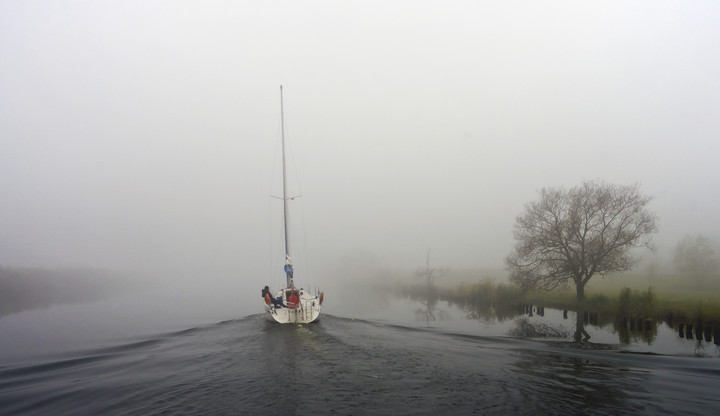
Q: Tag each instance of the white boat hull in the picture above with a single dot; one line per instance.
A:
(306, 311)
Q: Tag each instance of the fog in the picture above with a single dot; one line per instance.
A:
(143, 136)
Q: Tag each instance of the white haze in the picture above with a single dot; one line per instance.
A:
(143, 135)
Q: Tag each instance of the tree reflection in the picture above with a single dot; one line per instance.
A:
(630, 330)
(427, 294)
(581, 335)
(487, 312)
(428, 299)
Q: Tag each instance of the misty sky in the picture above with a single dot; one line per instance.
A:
(143, 134)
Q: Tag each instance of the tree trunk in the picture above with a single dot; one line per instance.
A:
(580, 286)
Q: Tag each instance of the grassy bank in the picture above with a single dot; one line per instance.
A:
(669, 304)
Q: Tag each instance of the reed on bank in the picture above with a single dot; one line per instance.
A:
(625, 302)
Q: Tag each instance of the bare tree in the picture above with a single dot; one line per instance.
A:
(569, 236)
(696, 256)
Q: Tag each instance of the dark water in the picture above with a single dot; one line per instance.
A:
(349, 366)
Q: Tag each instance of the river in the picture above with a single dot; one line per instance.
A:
(131, 355)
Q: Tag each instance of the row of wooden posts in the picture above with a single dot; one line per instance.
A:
(699, 331)
(529, 310)
(706, 332)
(588, 317)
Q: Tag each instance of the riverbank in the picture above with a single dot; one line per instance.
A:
(667, 303)
(30, 288)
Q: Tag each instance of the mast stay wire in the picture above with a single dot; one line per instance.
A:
(283, 130)
(297, 182)
(269, 268)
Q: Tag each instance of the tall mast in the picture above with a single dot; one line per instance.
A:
(284, 196)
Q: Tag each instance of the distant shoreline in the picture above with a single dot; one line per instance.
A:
(24, 289)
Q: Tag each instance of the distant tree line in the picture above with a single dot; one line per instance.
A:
(26, 288)
(696, 258)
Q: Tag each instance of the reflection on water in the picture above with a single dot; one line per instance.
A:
(589, 329)
(428, 311)
(428, 300)
(526, 328)
(634, 330)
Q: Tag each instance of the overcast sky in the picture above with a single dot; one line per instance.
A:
(143, 134)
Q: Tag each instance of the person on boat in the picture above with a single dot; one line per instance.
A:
(269, 297)
(293, 299)
(289, 269)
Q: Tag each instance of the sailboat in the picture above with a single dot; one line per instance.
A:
(290, 305)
